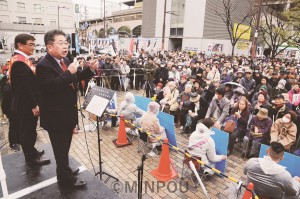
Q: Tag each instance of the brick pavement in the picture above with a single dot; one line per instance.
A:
(122, 162)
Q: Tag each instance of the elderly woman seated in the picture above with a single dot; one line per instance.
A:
(129, 110)
(202, 145)
(284, 130)
(150, 123)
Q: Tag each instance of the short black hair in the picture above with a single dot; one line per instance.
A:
(49, 36)
(208, 122)
(22, 39)
(220, 90)
(276, 149)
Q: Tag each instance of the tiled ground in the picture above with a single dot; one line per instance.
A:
(123, 162)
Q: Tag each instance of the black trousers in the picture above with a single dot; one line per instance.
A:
(115, 83)
(81, 88)
(61, 141)
(149, 88)
(13, 134)
(182, 116)
(139, 81)
(26, 127)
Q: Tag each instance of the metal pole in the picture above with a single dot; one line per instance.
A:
(254, 40)
(164, 27)
(58, 16)
(104, 19)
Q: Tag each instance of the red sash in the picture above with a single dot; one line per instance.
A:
(21, 58)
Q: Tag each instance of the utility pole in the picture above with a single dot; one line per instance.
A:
(254, 39)
(164, 28)
(104, 19)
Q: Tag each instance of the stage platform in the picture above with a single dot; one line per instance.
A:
(24, 181)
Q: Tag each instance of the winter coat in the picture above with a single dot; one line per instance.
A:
(243, 120)
(214, 110)
(214, 75)
(106, 69)
(248, 84)
(150, 123)
(277, 112)
(264, 127)
(124, 70)
(202, 145)
(266, 105)
(291, 93)
(149, 70)
(173, 100)
(185, 98)
(276, 91)
(284, 133)
(161, 73)
(270, 179)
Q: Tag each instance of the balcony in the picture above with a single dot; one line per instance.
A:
(127, 12)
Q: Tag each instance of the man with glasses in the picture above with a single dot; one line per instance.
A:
(25, 98)
(57, 79)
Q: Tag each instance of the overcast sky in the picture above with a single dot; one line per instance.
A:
(94, 7)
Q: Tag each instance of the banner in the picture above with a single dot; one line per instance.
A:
(242, 45)
(243, 31)
(215, 48)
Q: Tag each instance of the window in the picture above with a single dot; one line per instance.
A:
(21, 6)
(4, 18)
(137, 31)
(3, 4)
(37, 20)
(52, 22)
(22, 19)
(37, 8)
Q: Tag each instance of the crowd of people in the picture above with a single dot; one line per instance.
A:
(255, 101)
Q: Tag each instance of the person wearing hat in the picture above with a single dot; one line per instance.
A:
(248, 82)
(280, 88)
(184, 104)
(278, 109)
(218, 108)
(283, 75)
(263, 89)
(257, 133)
(159, 93)
(239, 75)
(284, 130)
(182, 83)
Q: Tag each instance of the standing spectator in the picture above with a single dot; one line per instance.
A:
(284, 130)
(124, 71)
(149, 70)
(257, 133)
(161, 74)
(139, 72)
(218, 108)
(115, 83)
(106, 71)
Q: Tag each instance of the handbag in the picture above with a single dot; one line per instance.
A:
(230, 125)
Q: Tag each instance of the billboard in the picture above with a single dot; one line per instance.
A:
(241, 31)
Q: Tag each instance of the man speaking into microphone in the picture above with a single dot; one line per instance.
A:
(58, 110)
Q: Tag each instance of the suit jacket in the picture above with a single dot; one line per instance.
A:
(58, 107)
(24, 89)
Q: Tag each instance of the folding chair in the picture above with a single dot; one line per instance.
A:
(144, 141)
(186, 168)
(130, 131)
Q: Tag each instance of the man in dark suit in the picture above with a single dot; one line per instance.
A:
(57, 79)
(25, 98)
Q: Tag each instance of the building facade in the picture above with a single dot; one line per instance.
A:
(35, 17)
(191, 24)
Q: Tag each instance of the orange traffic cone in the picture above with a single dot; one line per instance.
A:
(165, 170)
(248, 194)
(122, 136)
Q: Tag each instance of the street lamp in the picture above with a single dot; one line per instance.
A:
(58, 7)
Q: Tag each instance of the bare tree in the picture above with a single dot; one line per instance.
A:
(276, 30)
(239, 12)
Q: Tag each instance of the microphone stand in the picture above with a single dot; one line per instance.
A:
(140, 170)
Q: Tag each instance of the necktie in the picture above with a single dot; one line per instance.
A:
(63, 65)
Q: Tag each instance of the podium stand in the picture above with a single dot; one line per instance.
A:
(96, 102)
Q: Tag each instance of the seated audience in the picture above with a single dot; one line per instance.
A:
(241, 114)
(150, 123)
(257, 133)
(284, 130)
(202, 145)
(184, 104)
(270, 179)
(261, 102)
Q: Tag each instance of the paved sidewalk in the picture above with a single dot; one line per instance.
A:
(123, 162)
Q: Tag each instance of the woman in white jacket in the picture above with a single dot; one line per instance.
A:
(202, 145)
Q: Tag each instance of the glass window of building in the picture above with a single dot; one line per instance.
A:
(22, 19)
(37, 8)
(3, 4)
(177, 17)
(4, 18)
(137, 31)
(21, 6)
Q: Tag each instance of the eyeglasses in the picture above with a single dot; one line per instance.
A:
(31, 44)
(62, 43)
